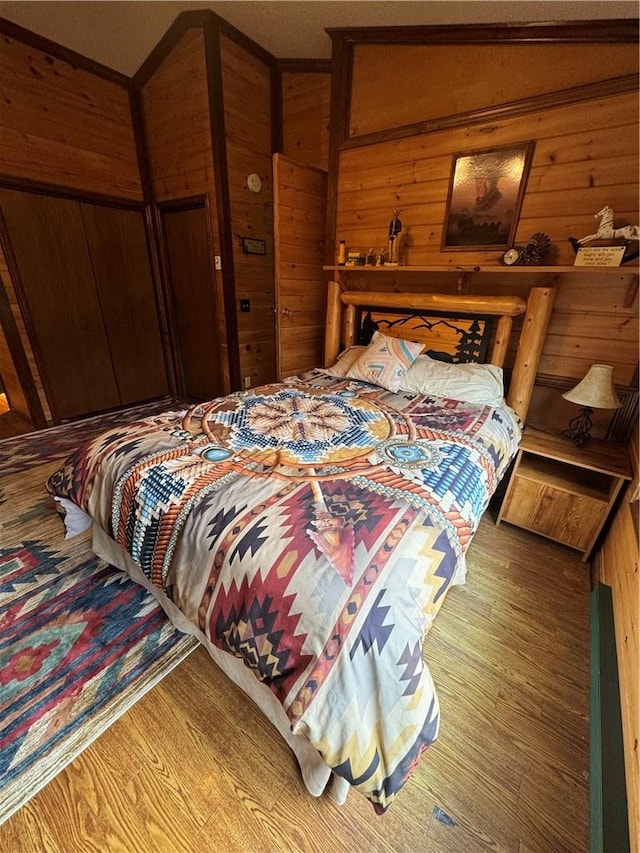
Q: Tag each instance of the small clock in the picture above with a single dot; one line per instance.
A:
(512, 256)
(254, 182)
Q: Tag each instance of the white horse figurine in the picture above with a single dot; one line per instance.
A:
(606, 231)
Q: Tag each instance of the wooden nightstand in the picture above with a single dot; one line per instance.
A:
(562, 491)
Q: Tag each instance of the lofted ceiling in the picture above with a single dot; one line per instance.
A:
(121, 34)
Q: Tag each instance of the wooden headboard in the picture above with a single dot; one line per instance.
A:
(536, 309)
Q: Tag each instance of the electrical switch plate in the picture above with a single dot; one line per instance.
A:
(217, 262)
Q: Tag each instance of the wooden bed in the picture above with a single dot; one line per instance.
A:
(307, 532)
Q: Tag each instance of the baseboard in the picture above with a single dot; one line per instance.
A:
(609, 826)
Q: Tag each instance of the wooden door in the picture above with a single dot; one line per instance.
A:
(193, 300)
(118, 248)
(300, 201)
(57, 288)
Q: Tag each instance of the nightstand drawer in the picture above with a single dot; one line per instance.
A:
(560, 515)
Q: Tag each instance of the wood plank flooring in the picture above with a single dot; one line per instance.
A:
(193, 767)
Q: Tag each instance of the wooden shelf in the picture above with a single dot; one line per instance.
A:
(485, 268)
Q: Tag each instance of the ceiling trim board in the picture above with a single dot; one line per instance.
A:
(549, 32)
(561, 97)
(305, 66)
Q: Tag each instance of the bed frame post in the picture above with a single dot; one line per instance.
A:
(534, 329)
(501, 343)
(332, 336)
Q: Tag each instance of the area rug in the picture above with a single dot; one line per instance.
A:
(79, 641)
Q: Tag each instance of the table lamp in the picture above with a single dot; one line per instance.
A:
(595, 391)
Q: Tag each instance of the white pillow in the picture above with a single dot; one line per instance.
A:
(385, 361)
(345, 361)
(472, 383)
(75, 519)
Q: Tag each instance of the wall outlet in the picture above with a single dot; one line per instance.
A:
(245, 306)
(217, 260)
(246, 382)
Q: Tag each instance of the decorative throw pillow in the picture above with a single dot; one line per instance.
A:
(345, 360)
(472, 383)
(385, 361)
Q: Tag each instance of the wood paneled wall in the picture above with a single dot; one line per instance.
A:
(617, 566)
(300, 202)
(63, 125)
(176, 109)
(175, 104)
(305, 117)
(579, 165)
(586, 155)
(25, 341)
(246, 81)
(395, 85)
(8, 372)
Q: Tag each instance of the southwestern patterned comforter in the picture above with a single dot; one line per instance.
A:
(310, 528)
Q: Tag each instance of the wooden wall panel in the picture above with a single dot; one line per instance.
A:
(175, 103)
(576, 170)
(63, 125)
(586, 155)
(301, 290)
(305, 117)
(9, 379)
(617, 566)
(16, 312)
(394, 85)
(247, 114)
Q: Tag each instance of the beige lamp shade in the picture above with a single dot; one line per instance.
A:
(596, 389)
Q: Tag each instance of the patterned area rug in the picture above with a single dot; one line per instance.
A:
(79, 641)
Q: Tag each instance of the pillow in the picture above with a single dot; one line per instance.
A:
(345, 360)
(75, 519)
(472, 383)
(385, 361)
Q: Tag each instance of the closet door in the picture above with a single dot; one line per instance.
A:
(196, 325)
(118, 250)
(64, 318)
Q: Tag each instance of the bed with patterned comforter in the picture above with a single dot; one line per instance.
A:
(311, 529)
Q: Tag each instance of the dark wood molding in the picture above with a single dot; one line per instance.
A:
(562, 97)
(77, 60)
(142, 148)
(184, 22)
(206, 19)
(215, 86)
(42, 188)
(342, 63)
(607, 31)
(277, 121)
(12, 335)
(37, 413)
(304, 66)
(153, 229)
(608, 823)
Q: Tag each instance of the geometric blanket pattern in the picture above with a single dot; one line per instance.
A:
(310, 529)
(79, 641)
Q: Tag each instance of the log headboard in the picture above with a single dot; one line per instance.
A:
(343, 307)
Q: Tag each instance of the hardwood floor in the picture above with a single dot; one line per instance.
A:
(193, 767)
(10, 422)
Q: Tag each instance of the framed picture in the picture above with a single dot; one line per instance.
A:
(485, 197)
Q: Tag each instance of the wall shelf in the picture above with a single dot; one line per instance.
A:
(486, 268)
